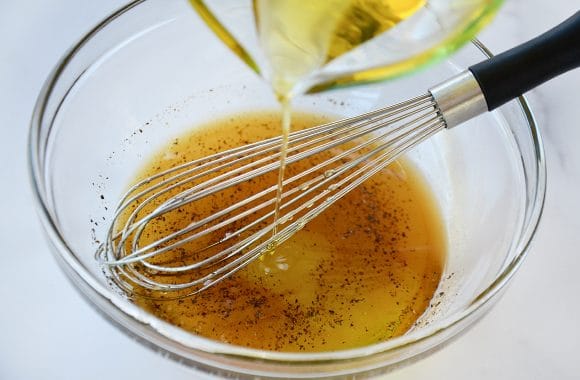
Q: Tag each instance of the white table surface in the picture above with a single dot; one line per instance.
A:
(47, 331)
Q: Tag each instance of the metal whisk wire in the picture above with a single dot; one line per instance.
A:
(387, 133)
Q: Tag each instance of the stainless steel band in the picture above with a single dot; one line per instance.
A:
(459, 99)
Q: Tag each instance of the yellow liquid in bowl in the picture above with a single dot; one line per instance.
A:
(361, 272)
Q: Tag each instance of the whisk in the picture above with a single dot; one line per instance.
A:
(219, 241)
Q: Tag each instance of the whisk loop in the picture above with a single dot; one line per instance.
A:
(362, 146)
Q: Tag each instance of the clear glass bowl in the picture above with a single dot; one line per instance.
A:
(152, 70)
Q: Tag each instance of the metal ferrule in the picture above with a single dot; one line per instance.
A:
(459, 99)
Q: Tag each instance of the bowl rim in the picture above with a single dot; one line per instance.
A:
(162, 335)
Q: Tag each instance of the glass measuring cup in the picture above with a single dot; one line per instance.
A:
(314, 46)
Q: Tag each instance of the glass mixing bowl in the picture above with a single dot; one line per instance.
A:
(152, 70)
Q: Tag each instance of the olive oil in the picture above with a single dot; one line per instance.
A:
(299, 37)
(361, 272)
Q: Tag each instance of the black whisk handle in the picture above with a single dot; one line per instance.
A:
(518, 70)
